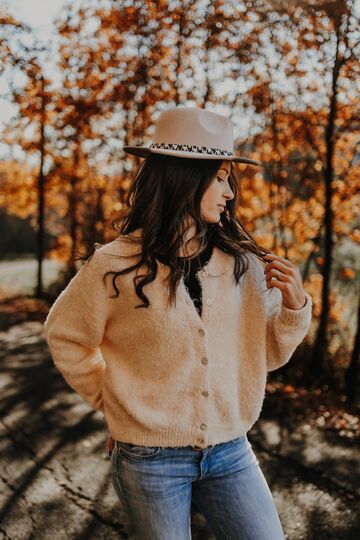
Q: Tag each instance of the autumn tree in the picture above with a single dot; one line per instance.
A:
(28, 130)
(30, 101)
(310, 123)
(13, 52)
(331, 32)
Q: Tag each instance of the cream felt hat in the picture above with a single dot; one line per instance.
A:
(191, 132)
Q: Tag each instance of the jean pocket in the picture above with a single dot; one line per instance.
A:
(136, 451)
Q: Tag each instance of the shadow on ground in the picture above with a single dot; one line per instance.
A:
(55, 474)
(55, 467)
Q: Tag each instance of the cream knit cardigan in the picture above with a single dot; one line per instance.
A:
(166, 376)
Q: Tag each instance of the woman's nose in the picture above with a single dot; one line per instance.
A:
(229, 194)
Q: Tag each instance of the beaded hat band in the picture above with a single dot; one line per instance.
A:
(192, 148)
(193, 133)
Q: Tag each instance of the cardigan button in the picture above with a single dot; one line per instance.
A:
(204, 360)
(203, 426)
(209, 301)
(201, 332)
(205, 393)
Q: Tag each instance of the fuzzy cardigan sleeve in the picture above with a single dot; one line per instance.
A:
(74, 330)
(285, 328)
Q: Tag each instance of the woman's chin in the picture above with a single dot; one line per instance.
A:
(214, 217)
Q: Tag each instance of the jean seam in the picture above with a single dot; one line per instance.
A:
(212, 509)
(123, 501)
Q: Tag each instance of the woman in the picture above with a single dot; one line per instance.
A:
(180, 376)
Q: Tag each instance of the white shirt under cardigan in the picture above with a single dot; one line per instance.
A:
(164, 376)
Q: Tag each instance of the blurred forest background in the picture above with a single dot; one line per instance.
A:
(287, 73)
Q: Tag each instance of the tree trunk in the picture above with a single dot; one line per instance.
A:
(41, 198)
(317, 365)
(73, 203)
(352, 373)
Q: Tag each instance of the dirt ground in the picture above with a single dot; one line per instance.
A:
(55, 471)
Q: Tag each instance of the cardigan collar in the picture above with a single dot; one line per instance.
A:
(219, 263)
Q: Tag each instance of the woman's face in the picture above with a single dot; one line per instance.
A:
(216, 195)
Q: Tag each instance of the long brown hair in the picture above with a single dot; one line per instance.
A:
(165, 190)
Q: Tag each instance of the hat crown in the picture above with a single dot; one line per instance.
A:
(194, 127)
(191, 132)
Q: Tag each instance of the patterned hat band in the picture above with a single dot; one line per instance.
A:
(192, 148)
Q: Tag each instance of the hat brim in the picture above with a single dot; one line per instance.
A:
(143, 151)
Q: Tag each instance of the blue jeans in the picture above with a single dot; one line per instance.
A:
(156, 486)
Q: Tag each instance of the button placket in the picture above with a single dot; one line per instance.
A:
(204, 360)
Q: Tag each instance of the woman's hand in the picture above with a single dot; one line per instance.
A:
(110, 444)
(288, 280)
